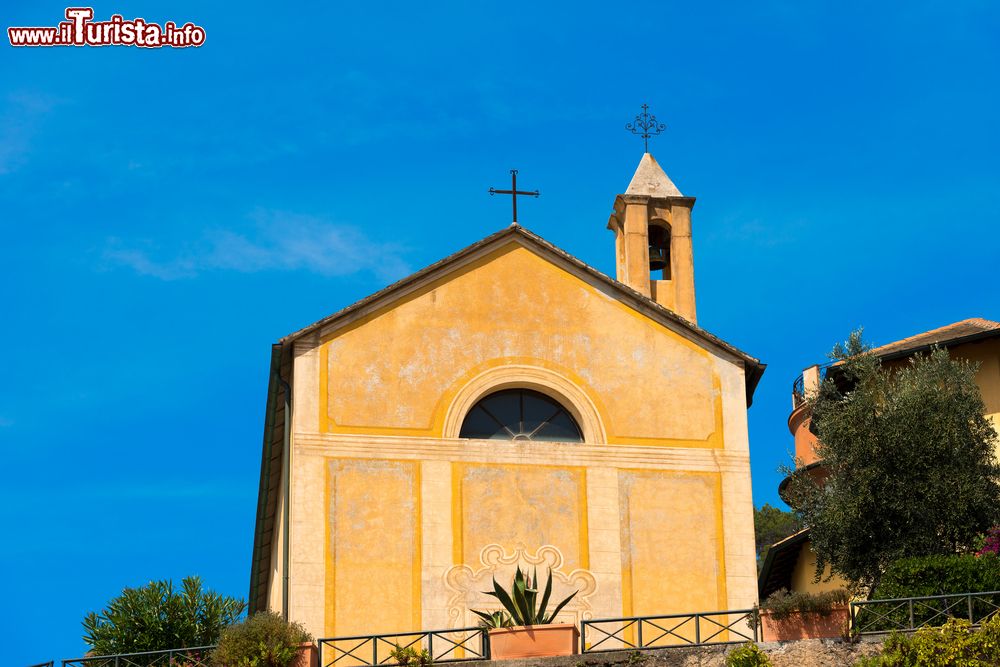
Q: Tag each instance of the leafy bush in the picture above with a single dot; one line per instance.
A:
(940, 575)
(521, 603)
(781, 604)
(930, 576)
(156, 617)
(747, 655)
(410, 657)
(263, 640)
(954, 643)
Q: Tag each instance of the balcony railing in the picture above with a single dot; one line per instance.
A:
(649, 632)
(873, 617)
(799, 385)
(799, 390)
(179, 657)
(451, 645)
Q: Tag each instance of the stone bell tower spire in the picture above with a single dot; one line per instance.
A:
(652, 226)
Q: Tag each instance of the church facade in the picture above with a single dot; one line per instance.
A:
(511, 406)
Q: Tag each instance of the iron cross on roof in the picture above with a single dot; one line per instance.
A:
(514, 192)
(646, 126)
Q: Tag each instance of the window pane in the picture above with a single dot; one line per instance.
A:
(506, 407)
(561, 428)
(538, 409)
(480, 425)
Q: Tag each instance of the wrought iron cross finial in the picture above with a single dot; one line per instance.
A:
(645, 126)
(514, 192)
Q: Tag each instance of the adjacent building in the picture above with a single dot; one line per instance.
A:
(791, 563)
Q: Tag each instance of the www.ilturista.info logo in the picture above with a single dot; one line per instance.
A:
(80, 30)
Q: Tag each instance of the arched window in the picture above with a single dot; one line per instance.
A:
(520, 414)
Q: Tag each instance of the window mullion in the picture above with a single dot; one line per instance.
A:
(499, 423)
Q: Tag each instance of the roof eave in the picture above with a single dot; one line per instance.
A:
(950, 342)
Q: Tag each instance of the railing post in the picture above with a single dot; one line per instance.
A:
(697, 629)
(374, 650)
(639, 644)
(910, 604)
(430, 645)
(970, 609)
(583, 637)
(486, 651)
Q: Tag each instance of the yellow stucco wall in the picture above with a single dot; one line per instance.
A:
(804, 574)
(374, 545)
(671, 523)
(398, 525)
(987, 355)
(529, 505)
(400, 376)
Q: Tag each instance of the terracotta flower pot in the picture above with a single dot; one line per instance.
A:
(534, 641)
(805, 625)
(308, 656)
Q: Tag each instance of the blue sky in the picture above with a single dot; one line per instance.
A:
(168, 214)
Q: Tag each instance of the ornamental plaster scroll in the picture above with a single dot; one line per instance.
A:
(466, 585)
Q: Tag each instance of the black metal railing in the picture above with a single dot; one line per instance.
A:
(451, 645)
(798, 390)
(799, 385)
(648, 632)
(197, 656)
(872, 617)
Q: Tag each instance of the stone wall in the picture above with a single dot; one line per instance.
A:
(806, 653)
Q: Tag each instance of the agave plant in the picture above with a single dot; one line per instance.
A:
(521, 605)
(496, 619)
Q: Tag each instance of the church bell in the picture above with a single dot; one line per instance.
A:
(659, 245)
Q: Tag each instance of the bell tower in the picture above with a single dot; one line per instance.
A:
(652, 226)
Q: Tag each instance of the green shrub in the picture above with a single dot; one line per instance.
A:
(781, 604)
(263, 640)
(929, 576)
(954, 643)
(159, 616)
(410, 657)
(940, 575)
(748, 655)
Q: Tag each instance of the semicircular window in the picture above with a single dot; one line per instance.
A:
(520, 414)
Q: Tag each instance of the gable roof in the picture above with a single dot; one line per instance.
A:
(753, 368)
